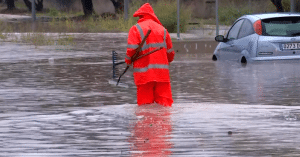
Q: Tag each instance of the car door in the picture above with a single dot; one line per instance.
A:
(227, 47)
(245, 40)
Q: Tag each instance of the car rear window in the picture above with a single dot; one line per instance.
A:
(283, 26)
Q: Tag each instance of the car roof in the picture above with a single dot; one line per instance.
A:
(254, 17)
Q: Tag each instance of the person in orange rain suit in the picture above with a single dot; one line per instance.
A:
(151, 72)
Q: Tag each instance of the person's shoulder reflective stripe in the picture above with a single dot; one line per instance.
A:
(151, 66)
(141, 31)
(152, 45)
(132, 46)
(170, 50)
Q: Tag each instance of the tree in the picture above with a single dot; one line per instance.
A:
(119, 5)
(278, 5)
(38, 6)
(10, 4)
(284, 5)
(88, 8)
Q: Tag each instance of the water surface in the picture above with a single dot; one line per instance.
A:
(57, 102)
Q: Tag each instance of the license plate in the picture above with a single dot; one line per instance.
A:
(291, 46)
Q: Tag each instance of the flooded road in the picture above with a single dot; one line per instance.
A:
(57, 102)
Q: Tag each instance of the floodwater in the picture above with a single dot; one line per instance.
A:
(57, 102)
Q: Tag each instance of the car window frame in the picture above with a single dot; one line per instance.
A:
(238, 36)
(232, 27)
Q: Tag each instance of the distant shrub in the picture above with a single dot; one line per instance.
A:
(53, 12)
(166, 11)
(286, 5)
(227, 15)
(37, 39)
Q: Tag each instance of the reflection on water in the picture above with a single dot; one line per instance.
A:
(151, 133)
(271, 82)
(266, 82)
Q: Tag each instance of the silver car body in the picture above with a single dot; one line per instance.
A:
(253, 47)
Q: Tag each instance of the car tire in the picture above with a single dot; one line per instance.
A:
(243, 60)
(214, 58)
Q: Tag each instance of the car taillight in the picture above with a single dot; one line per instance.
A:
(257, 27)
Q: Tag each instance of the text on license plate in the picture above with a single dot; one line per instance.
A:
(290, 46)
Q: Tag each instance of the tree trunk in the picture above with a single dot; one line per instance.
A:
(88, 8)
(28, 4)
(119, 6)
(278, 5)
(38, 6)
(10, 4)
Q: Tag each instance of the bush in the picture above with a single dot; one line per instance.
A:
(286, 4)
(37, 39)
(227, 15)
(109, 24)
(166, 11)
(53, 12)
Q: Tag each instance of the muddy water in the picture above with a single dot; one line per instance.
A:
(58, 101)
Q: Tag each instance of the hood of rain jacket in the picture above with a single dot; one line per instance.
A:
(146, 12)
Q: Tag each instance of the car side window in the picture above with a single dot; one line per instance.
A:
(246, 29)
(234, 31)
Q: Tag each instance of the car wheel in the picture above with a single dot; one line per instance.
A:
(244, 60)
(214, 58)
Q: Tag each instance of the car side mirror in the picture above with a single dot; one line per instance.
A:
(220, 38)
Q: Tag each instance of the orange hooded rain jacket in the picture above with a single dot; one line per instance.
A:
(153, 67)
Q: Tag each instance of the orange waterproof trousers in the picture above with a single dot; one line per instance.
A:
(159, 92)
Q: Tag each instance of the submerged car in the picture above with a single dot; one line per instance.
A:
(255, 37)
